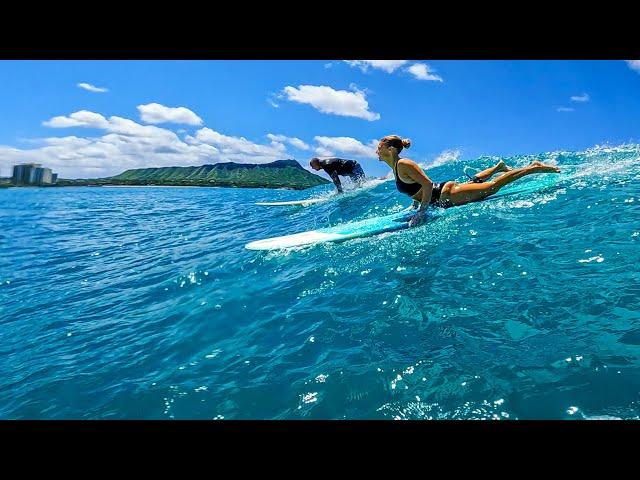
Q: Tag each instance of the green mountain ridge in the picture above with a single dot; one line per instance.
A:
(278, 174)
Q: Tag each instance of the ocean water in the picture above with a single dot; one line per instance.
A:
(142, 303)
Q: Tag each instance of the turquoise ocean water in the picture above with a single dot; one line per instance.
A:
(142, 303)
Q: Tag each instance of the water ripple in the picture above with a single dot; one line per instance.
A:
(143, 303)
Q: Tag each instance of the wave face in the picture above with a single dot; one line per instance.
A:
(143, 303)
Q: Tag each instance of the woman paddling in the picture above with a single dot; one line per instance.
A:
(410, 179)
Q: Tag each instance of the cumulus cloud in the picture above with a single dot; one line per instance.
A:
(116, 125)
(156, 113)
(634, 65)
(422, 71)
(299, 144)
(336, 102)
(388, 66)
(83, 118)
(276, 138)
(73, 157)
(580, 98)
(92, 88)
(125, 144)
(239, 145)
(330, 146)
(296, 142)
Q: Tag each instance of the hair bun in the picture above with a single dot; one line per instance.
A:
(406, 143)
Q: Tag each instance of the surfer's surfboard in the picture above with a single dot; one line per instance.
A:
(304, 203)
(311, 201)
(362, 228)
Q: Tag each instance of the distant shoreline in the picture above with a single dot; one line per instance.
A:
(187, 186)
(280, 174)
(153, 186)
(156, 186)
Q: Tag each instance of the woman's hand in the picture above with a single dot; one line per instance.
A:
(417, 219)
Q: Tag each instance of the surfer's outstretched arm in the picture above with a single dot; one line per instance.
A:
(336, 181)
(413, 171)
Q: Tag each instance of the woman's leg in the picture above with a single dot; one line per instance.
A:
(459, 194)
(485, 175)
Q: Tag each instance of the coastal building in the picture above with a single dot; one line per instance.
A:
(42, 176)
(33, 174)
(22, 173)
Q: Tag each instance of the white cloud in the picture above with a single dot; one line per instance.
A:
(156, 113)
(634, 65)
(92, 88)
(581, 98)
(564, 109)
(330, 146)
(299, 144)
(276, 138)
(272, 103)
(324, 152)
(240, 146)
(126, 144)
(73, 157)
(421, 72)
(117, 125)
(337, 102)
(388, 66)
(83, 118)
(296, 142)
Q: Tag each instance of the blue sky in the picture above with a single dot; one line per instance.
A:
(97, 118)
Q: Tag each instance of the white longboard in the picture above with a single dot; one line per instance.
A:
(362, 228)
(303, 203)
(312, 201)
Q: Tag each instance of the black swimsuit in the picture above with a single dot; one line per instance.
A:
(412, 188)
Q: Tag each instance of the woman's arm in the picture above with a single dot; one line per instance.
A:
(413, 171)
(336, 181)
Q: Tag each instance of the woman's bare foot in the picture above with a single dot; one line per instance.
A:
(544, 168)
(502, 167)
